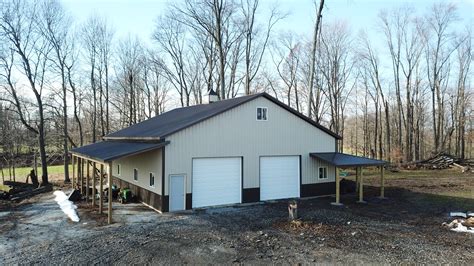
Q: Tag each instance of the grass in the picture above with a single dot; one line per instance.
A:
(409, 174)
(22, 172)
(459, 194)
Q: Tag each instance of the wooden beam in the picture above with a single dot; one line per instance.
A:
(87, 180)
(361, 186)
(338, 189)
(87, 158)
(109, 175)
(101, 188)
(93, 184)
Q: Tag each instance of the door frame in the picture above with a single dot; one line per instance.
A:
(219, 157)
(299, 171)
(184, 190)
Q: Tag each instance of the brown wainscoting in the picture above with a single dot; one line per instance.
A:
(318, 189)
(165, 207)
(143, 195)
(189, 201)
(250, 195)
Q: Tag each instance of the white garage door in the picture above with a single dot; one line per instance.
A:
(216, 181)
(279, 177)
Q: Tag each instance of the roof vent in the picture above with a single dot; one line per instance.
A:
(212, 96)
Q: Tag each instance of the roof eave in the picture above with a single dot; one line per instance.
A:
(138, 139)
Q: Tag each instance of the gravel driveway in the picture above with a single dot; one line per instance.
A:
(403, 229)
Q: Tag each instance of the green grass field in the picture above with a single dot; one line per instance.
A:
(22, 172)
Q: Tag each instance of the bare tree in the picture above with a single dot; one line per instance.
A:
(438, 41)
(214, 18)
(54, 26)
(171, 35)
(464, 58)
(129, 73)
(286, 56)
(336, 68)
(313, 105)
(254, 46)
(18, 24)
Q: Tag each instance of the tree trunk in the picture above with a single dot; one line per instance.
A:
(313, 61)
(65, 129)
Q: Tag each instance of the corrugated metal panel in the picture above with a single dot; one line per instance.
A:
(237, 133)
(112, 150)
(145, 163)
(346, 160)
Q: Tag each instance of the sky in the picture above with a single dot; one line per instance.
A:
(137, 17)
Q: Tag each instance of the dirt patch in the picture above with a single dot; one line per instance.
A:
(406, 228)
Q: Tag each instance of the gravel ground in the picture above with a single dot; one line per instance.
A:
(406, 228)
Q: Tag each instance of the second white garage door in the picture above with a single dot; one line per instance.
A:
(279, 177)
(216, 181)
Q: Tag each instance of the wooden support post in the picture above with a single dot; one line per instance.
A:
(93, 183)
(338, 189)
(361, 186)
(87, 180)
(81, 174)
(73, 171)
(357, 179)
(36, 164)
(382, 182)
(109, 175)
(101, 188)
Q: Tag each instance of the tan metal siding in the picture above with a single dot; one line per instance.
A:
(145, 163)
(238, 133)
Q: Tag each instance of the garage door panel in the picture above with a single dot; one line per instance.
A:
(216, 181)
(279, 177)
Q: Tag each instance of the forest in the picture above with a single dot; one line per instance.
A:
(65, 84)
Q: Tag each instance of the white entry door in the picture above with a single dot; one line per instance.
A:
(216, 181)
(177, 193)
(279, 177)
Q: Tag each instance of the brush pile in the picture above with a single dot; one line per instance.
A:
(443, 161)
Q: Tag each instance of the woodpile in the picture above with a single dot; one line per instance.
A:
(18, 191)
(443, 161)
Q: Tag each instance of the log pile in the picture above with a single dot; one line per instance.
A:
(443, 161)
(18, 191)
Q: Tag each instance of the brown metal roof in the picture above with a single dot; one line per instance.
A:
(180, 118)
